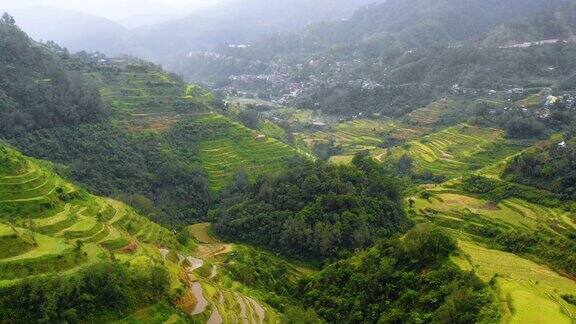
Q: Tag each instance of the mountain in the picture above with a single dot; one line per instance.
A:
(422, 23)
(74, 30)
(392, 57)
(555, 23)
(236, 22)
(36, 88)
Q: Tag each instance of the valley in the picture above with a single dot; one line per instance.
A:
(412, 161)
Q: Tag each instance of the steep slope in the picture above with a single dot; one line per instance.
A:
(143, 97)
(36, 89)
(52, 231)
(224, 148)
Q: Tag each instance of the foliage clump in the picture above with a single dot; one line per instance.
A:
(314, 210)
(410, 280)
(103, 291)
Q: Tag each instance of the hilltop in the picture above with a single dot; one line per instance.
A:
(36, 88)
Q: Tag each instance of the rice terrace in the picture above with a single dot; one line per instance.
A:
(288, 161)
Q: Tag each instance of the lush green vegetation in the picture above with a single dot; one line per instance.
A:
(454, 151)
(102, 291)
(399, 281)
(147, 171)
(314, 210)
(70, 256)
(36, 89)
(225, 147)
(144, 98)
(506, 232)
(551, 167)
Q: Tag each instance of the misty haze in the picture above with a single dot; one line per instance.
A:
(288, 161)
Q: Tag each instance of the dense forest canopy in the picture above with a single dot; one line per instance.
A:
(400, 281)
(552, 167)
(314, 210)
(36, 90)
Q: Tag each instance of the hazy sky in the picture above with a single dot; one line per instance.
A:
(113, 9)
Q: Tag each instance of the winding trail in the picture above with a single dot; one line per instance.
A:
(215, 318)
(194, 263)
(201, 301)
(164, 252)
(214, 271)
(258, 309)
(242, 304)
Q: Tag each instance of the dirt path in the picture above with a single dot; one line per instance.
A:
(201, 301)
(258, 309)
(214, 271)
(242, 304)
(164, 252)
(194, 263)
(215, 318)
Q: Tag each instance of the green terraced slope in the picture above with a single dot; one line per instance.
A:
(358, 135)
(458, 150)
(44, 220)
(142, 97)
(51, 227)
(530, 291)
(226, 147)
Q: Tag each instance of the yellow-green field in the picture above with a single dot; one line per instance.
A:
(239, 148)
(458, 150)
(529, 292)
(146, 99)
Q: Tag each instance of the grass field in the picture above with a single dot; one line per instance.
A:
(458, 150)
(531, 292)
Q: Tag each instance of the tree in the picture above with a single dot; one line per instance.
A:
(8, 20)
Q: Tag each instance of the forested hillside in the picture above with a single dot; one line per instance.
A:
(36, 90)
(400, 281)
(314, 210)
(551, 23)
(551, 167)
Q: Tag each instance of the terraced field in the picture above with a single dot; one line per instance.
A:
(48, 225)
(237, 147)
(66, 229)
(214, 298)
(432, 113)
(144, 98)
(359, 135)
(529, 292)
(458, 150)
